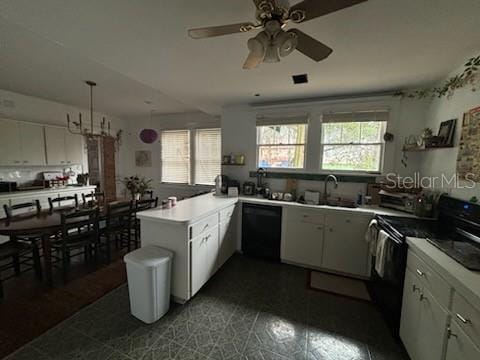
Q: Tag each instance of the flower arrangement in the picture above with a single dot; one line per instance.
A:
(137, 186)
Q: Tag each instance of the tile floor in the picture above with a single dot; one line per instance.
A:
(249, 310)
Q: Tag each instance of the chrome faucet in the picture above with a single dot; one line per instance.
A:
(327, 179)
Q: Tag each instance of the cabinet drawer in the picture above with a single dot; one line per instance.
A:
(227, 212)
(467, 317)
(430, 279)
(459, 345)
(311, 216)
(203, 225)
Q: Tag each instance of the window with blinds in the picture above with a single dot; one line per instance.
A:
(176, 156)
(207, 156)
(353, 141)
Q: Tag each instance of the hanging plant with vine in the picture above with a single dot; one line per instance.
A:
(469, 77)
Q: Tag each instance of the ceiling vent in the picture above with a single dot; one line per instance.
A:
(300, 79)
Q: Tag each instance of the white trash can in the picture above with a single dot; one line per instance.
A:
(148, 273)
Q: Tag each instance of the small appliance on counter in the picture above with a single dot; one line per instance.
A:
(248, 188)
(398, 201)
(221, 185)
(8, 186)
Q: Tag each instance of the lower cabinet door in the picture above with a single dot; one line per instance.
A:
(303, 243)
(203, 257)
(460, 346)
(432, 331)
(345, 248)
(198, 264)
(226, 241)
(409, 323)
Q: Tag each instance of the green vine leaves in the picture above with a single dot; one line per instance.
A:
(469, 77)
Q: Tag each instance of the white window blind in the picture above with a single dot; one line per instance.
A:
(207, 156)
(176, 156)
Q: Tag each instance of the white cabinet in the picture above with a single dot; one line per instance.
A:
(423, 326)
(302, 243)
(227, 240)
(203, 252)
(345, 249)
(10, 153)
(32, 144)
(62, 147)
(73, 148)
(21, 143)
(460, 346)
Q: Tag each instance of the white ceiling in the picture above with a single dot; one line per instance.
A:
(138, 50)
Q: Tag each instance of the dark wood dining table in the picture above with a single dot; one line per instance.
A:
(43, 225)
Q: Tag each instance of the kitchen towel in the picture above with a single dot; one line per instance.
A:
(371, 237)
(381, 253)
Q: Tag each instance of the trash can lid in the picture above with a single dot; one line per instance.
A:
(148, 256)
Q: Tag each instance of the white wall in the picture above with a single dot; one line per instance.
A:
(196, 120)
(32, 109)
(239, 136)
(443, 161)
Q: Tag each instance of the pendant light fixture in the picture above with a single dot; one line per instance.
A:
(78, 126)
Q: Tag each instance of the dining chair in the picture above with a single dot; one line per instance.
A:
(142, 205)
(79, 235)
(68, 201)
(20, 253)
(118, 226)
(93, 198)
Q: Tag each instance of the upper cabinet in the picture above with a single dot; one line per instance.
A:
(27, 144)
(32, 144)
(10, 153)
(21, 143)
(62, 147)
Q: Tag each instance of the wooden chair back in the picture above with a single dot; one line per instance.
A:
(80, 228)
(58, 201)
(146, 204)
(119, 215)
(93, 197)
(10, 211)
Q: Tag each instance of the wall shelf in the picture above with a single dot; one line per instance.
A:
(415, 149)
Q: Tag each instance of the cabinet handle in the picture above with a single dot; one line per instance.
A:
(420, 273)
(319, 228)
(450, 334)
(205, 227)
(331, 230)
(423, 297)
(462, 319)
(17, 162)
(348, 221)
(305, 216)
(25, 162)
(415, 288)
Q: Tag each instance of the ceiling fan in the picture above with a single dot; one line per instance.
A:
(273, 42)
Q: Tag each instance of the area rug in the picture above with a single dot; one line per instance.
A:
(26, 319)
(339, 285)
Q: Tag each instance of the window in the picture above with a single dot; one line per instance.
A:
(281, 146)
(355, 145)
(207, 156)
(176, 156)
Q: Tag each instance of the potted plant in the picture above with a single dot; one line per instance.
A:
(137, 186)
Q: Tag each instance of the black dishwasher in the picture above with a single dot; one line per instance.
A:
(261, 231)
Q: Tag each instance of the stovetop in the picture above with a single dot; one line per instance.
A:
(455, 242)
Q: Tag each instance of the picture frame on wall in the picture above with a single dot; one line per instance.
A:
(446, 132)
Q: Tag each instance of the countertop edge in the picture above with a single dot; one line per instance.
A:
(466, 282)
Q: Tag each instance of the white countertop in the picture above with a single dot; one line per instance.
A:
(368, 210)
(189, 210)
(13, 194)
(465, 281)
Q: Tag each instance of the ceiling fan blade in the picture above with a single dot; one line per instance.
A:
(316, 8)
(311, 47)
(207, 32)
(253, 60)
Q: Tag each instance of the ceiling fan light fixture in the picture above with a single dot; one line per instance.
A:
(272, 54)
(287, 43)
